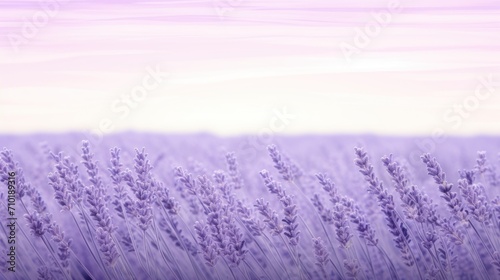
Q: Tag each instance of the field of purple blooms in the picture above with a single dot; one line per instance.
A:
(140, 206)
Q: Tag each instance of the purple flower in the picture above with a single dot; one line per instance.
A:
(475, 198)
(481, 163)
(116, 166)
(235, 250)
(295, 169)
(430, 238)
(167, 201)
(207, 246)
(35, 224)
(289, 208)
(63, 243)
(144, 189)
(449, 228)
(386, 203)
(215, 213)
(270, 217)
(454, 202)
(69, 178)
(144, 182)
(280, 165)
(61, 193)
(352, 268)
(234, 173)
(321, 255)
(290, 220)
(107, 246)
(254, 225)
(91, 166)
(37, 201)
(446, 255)
(225, 188)
(329, 187)
(96, 195)
(326, 214)
(417, 206)
(341, 225)
(363, 227)
(118, 176)
(273, 186)
(186, 179)
(9, 165)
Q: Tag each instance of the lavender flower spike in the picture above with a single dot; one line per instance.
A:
(186, 179)
(273, 186)
(63, 243)
(254, 225)
(116, 166)
(61, 193)
(454, 202)
(271, 218)
(107, 246)
(35, 224)
(386, 203)
(96, 195)
(363, 227)
(10, 165)
(145, 189)
(321, 255)
(329, 187)
(207, 246)
(290, 220)
(417, 206)
(341, 226)
(282, 167)
(290, 208)
(479, 207)
(234, 173)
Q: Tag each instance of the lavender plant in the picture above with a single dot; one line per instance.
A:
(191, 211)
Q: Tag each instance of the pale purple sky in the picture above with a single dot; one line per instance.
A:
(393, 67)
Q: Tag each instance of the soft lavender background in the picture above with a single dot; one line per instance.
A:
(235, 68)
(232, 63)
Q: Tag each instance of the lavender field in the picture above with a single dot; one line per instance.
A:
(250, 140)
(138, 206)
